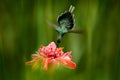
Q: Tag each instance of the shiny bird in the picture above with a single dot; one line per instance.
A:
(66, 23)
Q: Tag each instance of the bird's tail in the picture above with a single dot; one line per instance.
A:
(71, 9)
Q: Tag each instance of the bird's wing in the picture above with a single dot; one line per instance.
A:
(52, 25)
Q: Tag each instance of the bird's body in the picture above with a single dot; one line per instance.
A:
(66, 23)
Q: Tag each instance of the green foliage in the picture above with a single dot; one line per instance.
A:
(23, 28)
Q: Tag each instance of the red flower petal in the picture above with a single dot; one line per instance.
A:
(66, 62)
(45, 63)
(35, 64)
(28, 63)
(70, 64)
(51, 47)
(66, 54)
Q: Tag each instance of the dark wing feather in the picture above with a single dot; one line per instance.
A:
(67, 20)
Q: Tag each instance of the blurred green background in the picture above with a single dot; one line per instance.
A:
(23, 28)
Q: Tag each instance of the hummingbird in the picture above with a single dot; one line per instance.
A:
(65, 24)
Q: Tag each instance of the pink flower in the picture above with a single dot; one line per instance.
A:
(51, 55)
